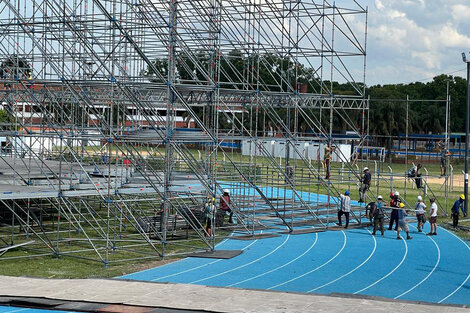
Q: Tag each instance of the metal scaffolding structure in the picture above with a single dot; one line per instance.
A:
(124, 116)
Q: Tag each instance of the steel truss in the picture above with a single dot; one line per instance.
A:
(95, 93)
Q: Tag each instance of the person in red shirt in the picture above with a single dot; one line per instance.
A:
(224, 205)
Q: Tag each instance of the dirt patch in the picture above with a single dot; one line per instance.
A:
(458, 180)
(148, 265)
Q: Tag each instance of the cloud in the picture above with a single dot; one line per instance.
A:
(379, 5)
(460, 12)
(418, 38)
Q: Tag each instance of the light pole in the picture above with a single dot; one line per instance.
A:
(467, 116)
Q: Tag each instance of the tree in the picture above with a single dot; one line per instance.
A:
(15, 67)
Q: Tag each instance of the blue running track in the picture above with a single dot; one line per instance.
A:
(11, 309)
(426, 268)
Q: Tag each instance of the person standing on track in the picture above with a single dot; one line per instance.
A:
(345, 208)
(458, 205)
(365, 185)
(378, 214)
(433, 218)
(420, 209)
(395, 204)
(402, 223)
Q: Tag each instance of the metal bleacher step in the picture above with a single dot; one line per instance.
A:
(303, 231)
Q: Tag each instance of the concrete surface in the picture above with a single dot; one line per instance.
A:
(196, 297)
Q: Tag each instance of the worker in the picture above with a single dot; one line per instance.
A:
(402, 223)
(369, 210)
(445, 154)
(365, 185)
(327, 157)
(224, 205)
(395, 204)
(414, 173)
(345, 208)
(420, 209)
(458, 205)
(378, 214)
(209, 211)
(433, 218)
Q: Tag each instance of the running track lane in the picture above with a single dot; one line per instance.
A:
(425, 268)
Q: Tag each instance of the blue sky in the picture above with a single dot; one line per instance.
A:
(415, 40)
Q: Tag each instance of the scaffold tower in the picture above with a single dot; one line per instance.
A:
(121, 118)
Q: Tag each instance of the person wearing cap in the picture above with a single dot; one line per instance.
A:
(209, 211)
(433, 218)
(345, 208)
(420, 209)
(458, 205)
(395, 204)
(402, 223)
(378, 214)
(365, 185)
(224, 205)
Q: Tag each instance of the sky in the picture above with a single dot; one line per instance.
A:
(415, 40)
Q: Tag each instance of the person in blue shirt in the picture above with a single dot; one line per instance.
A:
(458, 205)
(402, 223)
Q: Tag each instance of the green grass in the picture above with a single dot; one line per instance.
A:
(69, 267)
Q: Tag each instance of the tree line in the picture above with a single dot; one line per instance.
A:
(387, 115)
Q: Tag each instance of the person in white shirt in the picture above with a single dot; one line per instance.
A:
(433, 218)
(420, 209)
(345, 208)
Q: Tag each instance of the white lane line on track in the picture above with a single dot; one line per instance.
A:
(316, 268)
(241, 266)
(198, 267)
(468, 276)
(390, 273)
(357, 267)
(279, 267)
(429, 274)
